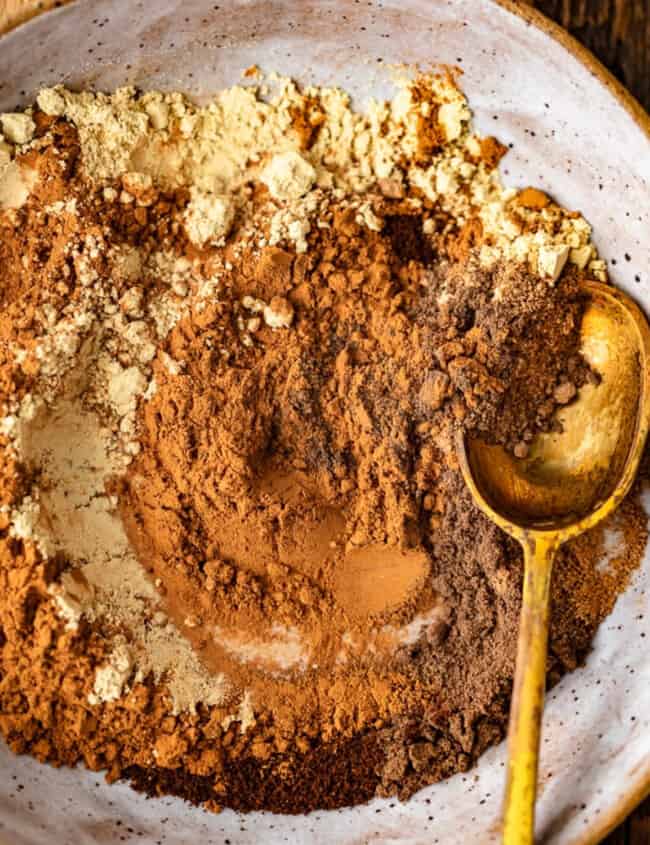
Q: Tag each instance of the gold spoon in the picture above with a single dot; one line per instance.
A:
(568, 483)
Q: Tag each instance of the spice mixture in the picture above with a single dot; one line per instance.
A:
(238, 562)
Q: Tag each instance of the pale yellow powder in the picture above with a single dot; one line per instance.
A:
(16, 183)
(288, 176)
(76, 517)
(59, 433)
(111, 678)
(208, 218)
(17, 127)
(216, 149)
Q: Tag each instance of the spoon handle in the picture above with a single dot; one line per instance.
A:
(528, 693)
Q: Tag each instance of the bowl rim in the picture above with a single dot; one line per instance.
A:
(538, 19)
(640, 789)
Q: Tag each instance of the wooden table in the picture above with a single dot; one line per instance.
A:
(618, 32)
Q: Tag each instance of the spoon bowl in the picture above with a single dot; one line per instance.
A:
(570, 481)
(584, 470)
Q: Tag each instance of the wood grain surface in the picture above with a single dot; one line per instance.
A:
(618, 32)
(13, 12)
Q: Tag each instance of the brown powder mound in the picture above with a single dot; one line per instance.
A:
(316, 467)
(297, 496)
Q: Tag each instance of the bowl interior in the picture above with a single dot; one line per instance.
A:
(571, 137)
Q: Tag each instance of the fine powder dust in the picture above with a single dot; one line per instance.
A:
(238, 561)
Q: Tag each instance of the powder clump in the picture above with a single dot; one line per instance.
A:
(288, 176)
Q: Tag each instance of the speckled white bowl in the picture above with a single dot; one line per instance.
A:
(576, 135)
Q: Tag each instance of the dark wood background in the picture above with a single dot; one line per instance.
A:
(618, 32)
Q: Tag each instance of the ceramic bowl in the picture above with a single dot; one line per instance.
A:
(576, 135)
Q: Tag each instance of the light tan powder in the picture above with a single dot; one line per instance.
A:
(79, 435)
(216, 149)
